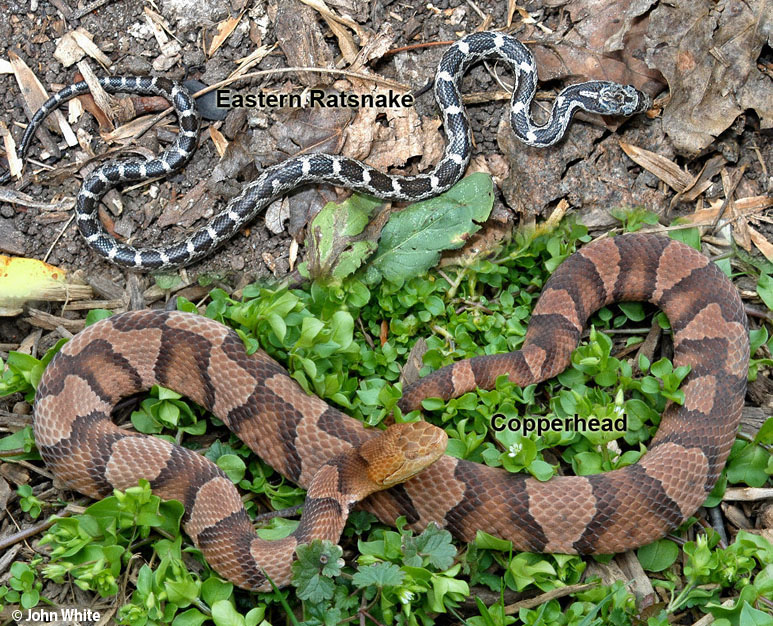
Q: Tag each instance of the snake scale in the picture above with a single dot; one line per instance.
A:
(298, 434)
(602, 97)
(335, 456)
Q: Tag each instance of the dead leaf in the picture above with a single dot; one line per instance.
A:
(708, 53)
(12, 196)
(170, 49)
(255, 57)
(221, 143)
(404, 136)
(130, 130)
(607, 42)
(224, 30)
(324, 10)
(85, 40)
(102, 99)
(305, 131)
(270, 261)
(356, 9)
(76, 44)
(377, 47)
(293, 253)
(497, 228)
(35, 95)
(763, 245)
(277, 213)
(665, 169)
(191, 206)
(746, 208)
(702, 181)
(413, 363)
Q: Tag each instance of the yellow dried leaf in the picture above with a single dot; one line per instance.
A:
(23, 280)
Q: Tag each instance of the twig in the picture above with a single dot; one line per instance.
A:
(417, 46)
(512, 609)
(58, 237)
(728, 197)
(25, 534)
(753, 311)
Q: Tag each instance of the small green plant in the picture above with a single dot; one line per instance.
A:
(346, 340)
(92, 548)
(28, 502)
(25, 586)
(21, 372)
(634, 219)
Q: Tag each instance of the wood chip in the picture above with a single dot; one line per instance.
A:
(41, 319)
(748, 494)
(15, 164)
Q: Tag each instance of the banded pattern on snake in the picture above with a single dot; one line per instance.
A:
(301, 436)
(318, 447)
(604, 98)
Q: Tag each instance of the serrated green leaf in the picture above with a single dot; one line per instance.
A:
(318, 562)
(434, 544)
(378, 574)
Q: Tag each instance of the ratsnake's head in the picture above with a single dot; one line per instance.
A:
(615, 99)
(402, 451)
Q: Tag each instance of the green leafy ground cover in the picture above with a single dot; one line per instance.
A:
(128, 548)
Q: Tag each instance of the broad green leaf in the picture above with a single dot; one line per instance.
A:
(765, 290)
(412, 240)
(658, 556)
(224, 614)
(749, 466)
(335, 242)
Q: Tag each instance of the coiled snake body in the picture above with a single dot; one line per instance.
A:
(298, 434)
(318, 447)
(600, 97)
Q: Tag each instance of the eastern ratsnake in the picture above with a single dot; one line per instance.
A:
(605, 98)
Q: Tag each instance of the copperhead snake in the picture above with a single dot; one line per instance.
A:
(299, 434)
